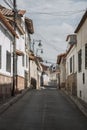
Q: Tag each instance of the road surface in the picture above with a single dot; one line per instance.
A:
(46, 109)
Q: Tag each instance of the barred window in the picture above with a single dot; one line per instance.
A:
(71, 65)
(26, 61)
(83, 78)
(86, 55)
(23, 60)
(0, 56)
(79, 60)
(8, 61)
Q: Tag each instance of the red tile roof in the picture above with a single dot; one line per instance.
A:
(21, 12)
(9, 16)
(45, 67)
(59, 57)
(7, 24)
(9, 12)
(29, 24)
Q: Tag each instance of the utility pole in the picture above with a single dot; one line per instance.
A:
(14, 49)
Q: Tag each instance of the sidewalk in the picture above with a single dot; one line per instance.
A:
(79, 103)
(6, 104)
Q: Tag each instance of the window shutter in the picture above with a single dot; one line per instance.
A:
(80, 61)
(8, 61)
(0, 56)
(86, 55)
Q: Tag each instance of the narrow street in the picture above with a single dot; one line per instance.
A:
(45, 109)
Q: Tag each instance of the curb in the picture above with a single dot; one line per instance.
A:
(77, 103)
(6, 105)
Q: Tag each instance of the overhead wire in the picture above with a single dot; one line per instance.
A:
(8, 4)
(48, 59)
(60, 13)
(51, 45)
(10, 1)
(47, 43)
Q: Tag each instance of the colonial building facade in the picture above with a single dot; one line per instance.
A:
(76, 61)
(71, 64)
(61, 61)
(6, 52)
(24, 27)
(81, 32)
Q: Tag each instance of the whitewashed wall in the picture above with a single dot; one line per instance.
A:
(62, 73)
(6, 43)
(20, 45)
(45, 79)
(33, 69)
(81, 41)
(73, 52)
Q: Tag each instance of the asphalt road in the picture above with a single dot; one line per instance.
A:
(46, 109)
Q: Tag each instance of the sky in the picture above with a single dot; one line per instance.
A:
(53, 20)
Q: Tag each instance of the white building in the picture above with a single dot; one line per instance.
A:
(61, 61)
(6, 56)
(29, 30)
(35, 71)
(71, 64)
(23, 29)
(81, 32)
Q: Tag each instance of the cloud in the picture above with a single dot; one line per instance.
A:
(54, 38)
(53, 29)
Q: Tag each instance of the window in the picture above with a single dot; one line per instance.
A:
(0, 56)
(83, 78)
(23, 60)
(26, 61)
(80, 61)
(71, 65)
(80, 93)
(8, 61)
(86, 55)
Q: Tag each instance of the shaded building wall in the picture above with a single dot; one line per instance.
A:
(81, 41)
(62, 74)
(71, 84)
(5, 86)
(33, 74)
(20, 83)
(6, 40)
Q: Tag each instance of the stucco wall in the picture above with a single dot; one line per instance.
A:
(73, 52)
(33, 71)
(81, 41)
(71, 77)
(6, 45)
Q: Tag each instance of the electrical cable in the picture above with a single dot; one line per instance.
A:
(8, 4)
(51, 45)
(47, 43)
(66, 13)
(10, 1)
